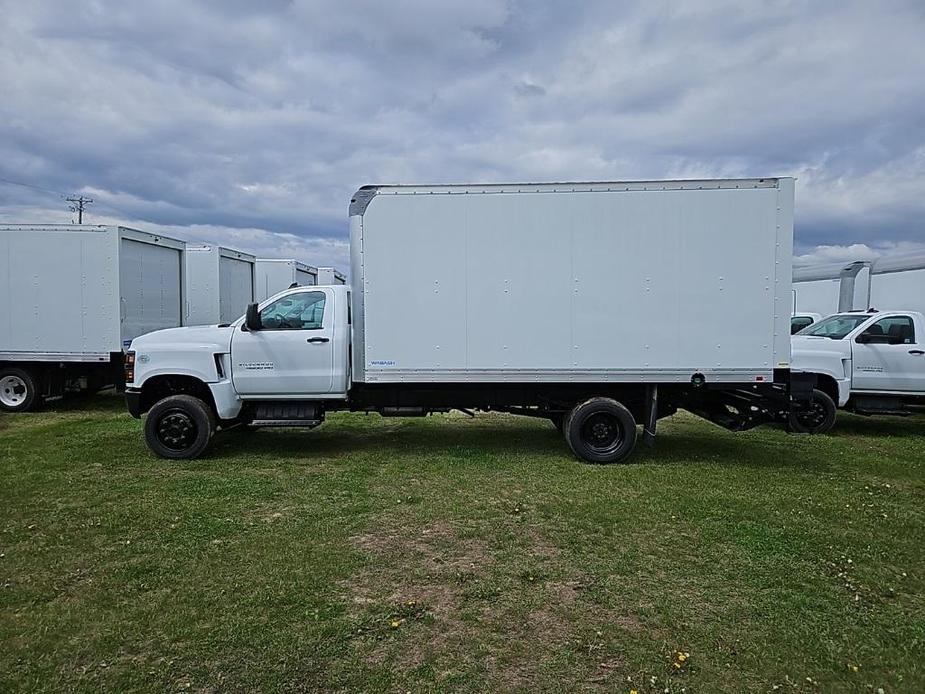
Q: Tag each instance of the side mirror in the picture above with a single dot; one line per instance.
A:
(252, 318)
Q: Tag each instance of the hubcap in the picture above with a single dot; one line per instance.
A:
(813, 416)
(602, 432)
(176, 430)
(12, 391)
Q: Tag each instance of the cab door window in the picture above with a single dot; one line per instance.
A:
(895, 330)
(302, 311)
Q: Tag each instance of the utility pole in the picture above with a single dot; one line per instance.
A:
(78, 206)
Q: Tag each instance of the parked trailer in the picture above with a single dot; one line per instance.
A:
(328, 275)
(831, 288)
(676, 295)
(899, 282)
(888, 282)
(274, 275)
(72, 297)
(220, 283)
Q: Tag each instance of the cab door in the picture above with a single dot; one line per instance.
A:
(292, 355)
(889, 356)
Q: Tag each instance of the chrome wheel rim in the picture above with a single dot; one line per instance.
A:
(13, 391)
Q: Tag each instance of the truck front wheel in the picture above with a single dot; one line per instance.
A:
(179, 427)
(19, 390)
(600, 430)
(817, 417)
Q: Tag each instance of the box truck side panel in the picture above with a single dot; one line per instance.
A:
(663, 283)
(150, 278)
(236, 277)
(273, 277)
(898, 291)
(304, 278)
(817, 296)
(58, 293)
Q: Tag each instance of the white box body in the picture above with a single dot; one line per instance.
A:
(328, 276)
(888, 283)
(276, 275)
(658, 281)
(220, 283)
(898, 283)
(81, 292)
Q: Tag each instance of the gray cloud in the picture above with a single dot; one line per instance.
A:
(251, 120)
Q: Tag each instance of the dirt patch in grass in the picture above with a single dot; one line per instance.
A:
(429, 593)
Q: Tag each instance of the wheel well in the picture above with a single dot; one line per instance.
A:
(827, 385)
(159, 387)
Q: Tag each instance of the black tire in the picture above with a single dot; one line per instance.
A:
(179, 427)
(819, 418)
(600, 430)
(19, 390)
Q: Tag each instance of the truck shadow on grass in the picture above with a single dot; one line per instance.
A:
(483, 444)
(859, 425)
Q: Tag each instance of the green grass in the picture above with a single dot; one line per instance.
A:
(458, 554)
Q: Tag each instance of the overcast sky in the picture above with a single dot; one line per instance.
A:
(251, 123)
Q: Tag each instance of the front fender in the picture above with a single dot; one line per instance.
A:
(836, 367)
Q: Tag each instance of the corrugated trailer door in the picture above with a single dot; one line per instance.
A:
(236, 287)
(149, 278)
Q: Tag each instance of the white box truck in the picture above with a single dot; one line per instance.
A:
(72, 297)
(330, 275)
(220, 283)
(275, 275)
(677, 295)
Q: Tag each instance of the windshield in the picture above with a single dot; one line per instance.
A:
(835, 327)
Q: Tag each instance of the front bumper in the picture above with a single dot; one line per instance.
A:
(133, 402)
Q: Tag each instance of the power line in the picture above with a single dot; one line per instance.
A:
(29, 185)
(78, 206)
(80, 202)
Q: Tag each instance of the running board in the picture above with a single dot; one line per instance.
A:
(288, 414)
(309, 423)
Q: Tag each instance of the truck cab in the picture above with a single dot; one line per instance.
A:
(868, 362)
(279, 363)
(801, 321)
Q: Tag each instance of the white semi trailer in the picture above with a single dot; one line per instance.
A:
(677, 295)
(219, 283)
(275, 275)
(72, 297)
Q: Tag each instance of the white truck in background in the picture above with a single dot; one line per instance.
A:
(867, 362)
(890, 280)
(219, 281)
(274, 275)
(677, 295)
(330, 275)
(72, 297)
(800, 321)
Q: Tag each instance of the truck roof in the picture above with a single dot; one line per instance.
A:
(365, 194)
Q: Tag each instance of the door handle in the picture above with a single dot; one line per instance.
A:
(318, 340)
(916, 351)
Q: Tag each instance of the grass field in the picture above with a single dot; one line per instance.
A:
(458, 554)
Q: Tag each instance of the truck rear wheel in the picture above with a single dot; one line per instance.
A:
(19, 390)
(600, 430)
(179, 427)
(816, 418)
